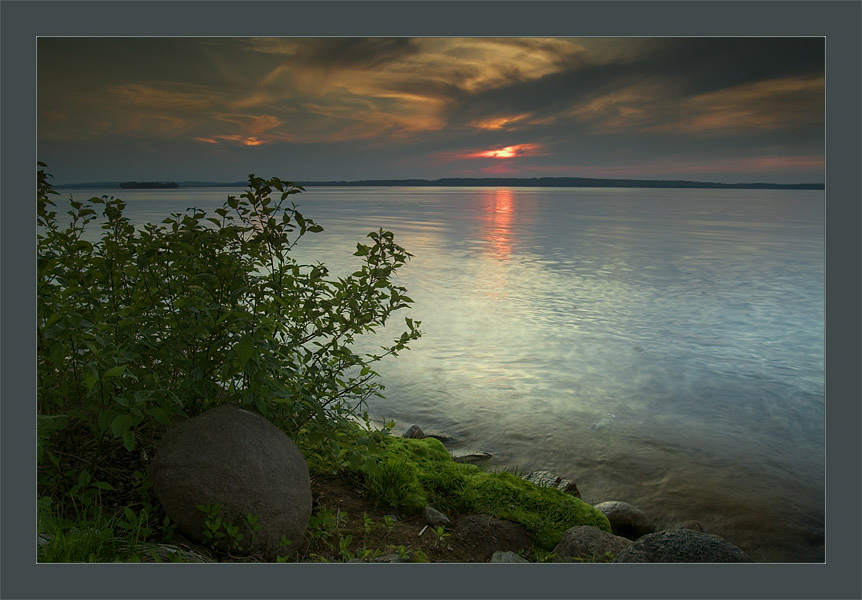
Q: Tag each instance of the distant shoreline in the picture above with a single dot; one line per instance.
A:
(484, 182)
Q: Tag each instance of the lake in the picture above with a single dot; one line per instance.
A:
(664, 347)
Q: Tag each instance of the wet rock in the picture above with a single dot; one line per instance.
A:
(239, 460)
(434, 517)
(589, 543)
(507, 557)
(693, 525)
(487, 534)
(473, 458)
(682, 546)
(626, 520)
(548, 479)
(414, 432)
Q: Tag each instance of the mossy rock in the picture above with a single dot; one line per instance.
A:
(420, 472)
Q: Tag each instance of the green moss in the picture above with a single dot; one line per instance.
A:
(418, 473)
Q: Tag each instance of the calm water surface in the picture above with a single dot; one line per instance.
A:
(662, 347)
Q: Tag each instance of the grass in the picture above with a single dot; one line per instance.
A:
(420, 473)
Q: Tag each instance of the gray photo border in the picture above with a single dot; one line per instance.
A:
(23, 21)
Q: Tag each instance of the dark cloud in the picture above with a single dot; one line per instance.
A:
(699, 65)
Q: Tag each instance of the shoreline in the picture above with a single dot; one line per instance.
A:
(763, 543)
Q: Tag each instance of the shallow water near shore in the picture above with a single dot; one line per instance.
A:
(663, 347)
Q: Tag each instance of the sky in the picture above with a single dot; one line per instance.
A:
(730, 110)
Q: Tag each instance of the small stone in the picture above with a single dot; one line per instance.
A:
(472, 458)
(589, 543)
(434, 517)
(507, 557)
(548, 479)
(387, 558)
(414, 432)
(694, 525)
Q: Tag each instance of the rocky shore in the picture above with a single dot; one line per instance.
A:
(633, 537)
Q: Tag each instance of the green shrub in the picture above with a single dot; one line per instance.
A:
(148, 324)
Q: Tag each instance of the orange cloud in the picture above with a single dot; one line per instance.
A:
(770, 105)
(167, 96)
(507, 122)
(240, 139)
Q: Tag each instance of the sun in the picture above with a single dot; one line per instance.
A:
(507, 152)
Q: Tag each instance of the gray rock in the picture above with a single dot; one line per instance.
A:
(693, 525)
(589, 543)
(488, 534)
(241, 461)
(387, 558)
(434, 517)
(626, 520)
(507, 557)
(682, 546)
(548, 479)
(414, 432)
(471, 457)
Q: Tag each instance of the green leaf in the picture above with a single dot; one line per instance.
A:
(244, 349)
(91, 377)
(84, 478)
(115, 371)
(356, 461)
(121, 424)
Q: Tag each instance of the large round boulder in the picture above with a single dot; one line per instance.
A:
(242, 462)
(589, 543)
(626, 520)
(682, 546)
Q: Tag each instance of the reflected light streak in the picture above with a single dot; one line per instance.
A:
(497, 218)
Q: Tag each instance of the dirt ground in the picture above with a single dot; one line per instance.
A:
(379, 529)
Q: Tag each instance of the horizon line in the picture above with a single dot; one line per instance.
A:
(469, 181)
